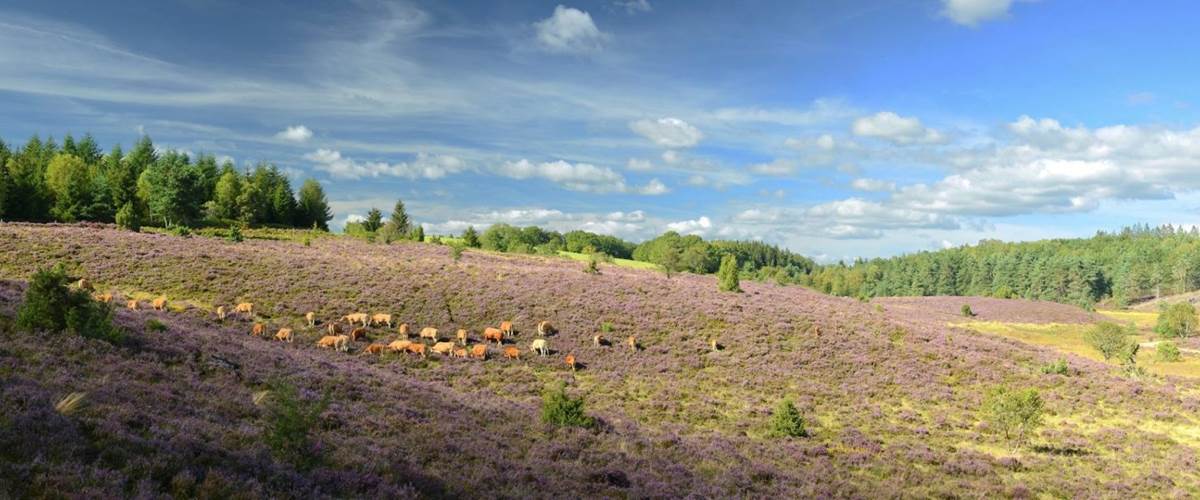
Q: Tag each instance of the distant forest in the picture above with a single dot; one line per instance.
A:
(1135, 263)
(43, 181)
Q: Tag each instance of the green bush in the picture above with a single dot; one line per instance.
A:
(562, 410)
(456, 251)
(606, 327)
(51, 306)
(1058, 367)
(593, 265)
(1111, 340)
(1168, 352)
(181, 231)
(289, 421)
(1176, 321)
(155, 325)
(235, 234)
(127, 218)
(786, 421)
(1014, 413)
(727, 274)
(966, 311)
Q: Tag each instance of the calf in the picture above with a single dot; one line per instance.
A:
(632, 342)
(493, 334)
(374, 349)
(342, 343)
(403, 331)
(598, 340)
(284, 335)
(312, 318)
(571, 361)
(511, 352)
(131, 304)
(461, 336)
(160, 304)
(221, 313)
(479, 351)
(257, 330)
(461, 352)
(105, 298)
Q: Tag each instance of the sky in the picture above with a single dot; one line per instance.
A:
(835, 129)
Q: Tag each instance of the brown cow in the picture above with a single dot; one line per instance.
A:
(382, 319)
(493, 334)
(221, 313)
(105, 298)
(399, 345)
(571, 361)
(416, 348)
(374, 349)
(83, 284)
(632, 342)
(131, 304)
(479, 351)
(311, 317)
(713, 345)
(461, 352)
(328, 341)
(342, 343)
(358, 333)
(545, 328)
(357, 318)
(429, 332)
(512, 352)
(461, 336)
(284, 335)
(443, 347)
(244, 308)
(160, 304)
(257, 330)
(507, 328)
(598, 340)
(333, 329)
(403, 330)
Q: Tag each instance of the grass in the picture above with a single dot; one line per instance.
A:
(632, 264)
(1143, 320)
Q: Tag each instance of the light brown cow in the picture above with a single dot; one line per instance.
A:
(244, 308)
(221, 313)
(461, 336)
(512, 352)
(429, 332)
(416, 348)
(257, 330)
(131, 304)
(632, 342)
(160, 304)
(479, 351)
(333, 329)
(284, 335)
(327, 342)
(399, 345)
(105, 298)
(545, 328)
(403, 330)
(571, 361)
(598, 340)
(507, 328)
(461, 352)
(374, 349)
(357, 318)
(713, 344)
(493, 334)
(342, 343)
(358, 333)
(379, 319)
(83, 284)
(539, 346)
(311, 317)
(443, 347)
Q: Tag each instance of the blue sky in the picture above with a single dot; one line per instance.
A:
(837, 129)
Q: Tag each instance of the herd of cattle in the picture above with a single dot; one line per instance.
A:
(358, 323)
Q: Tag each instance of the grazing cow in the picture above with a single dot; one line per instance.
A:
(334, 329)
(539, 346)
(358, 333)
(221, 313)
(507, 328)
(459, 353)
(284, 335)
(327, 342)
(479, 351)
(342, 343)
(257, 330)
(244, 308)
(598, 340)
(382, 319)
(131, 304)
(374, 349)
(461, 336)
(545, 328)
(399, 345)
(571, 361)
(632, 342)
(160, 304)
(83, 284)
(416, 348)
(512, 352)
(105, 298)
(429, 332)
(311, 317)
(403, 330)
(357, 318)
(443, 347)
(713, 345)
(493, 334)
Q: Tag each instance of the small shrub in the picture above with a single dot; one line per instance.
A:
(966, 311)
(1015, 413)
(289, 421)
(307, 240)
(593, 266)
(1176, 321)
(1004, 292)
(127, 218)
(1111, 340)
(1058, 367)
(235, 234)
(1168, 352)
(786, 421)
(562, 410)
(727, 274)
(154, 325)
(606, 327)
(181, 231)
(456, 251)
(51, 306)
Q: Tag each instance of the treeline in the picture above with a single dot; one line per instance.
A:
(674, 252)
(77, 181)
(1132, 264)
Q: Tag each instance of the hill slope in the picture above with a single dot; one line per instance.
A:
(890, 396)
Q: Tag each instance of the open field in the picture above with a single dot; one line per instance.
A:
(632, 264)
(890, 395)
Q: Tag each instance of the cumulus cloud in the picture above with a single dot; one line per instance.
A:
(424, 166)
(973, 12)
(778, 167)
(635, 225)
(871, 185)
(296, 133)
(577, 177)
(569, 31)
(699, 227)
(634, 6)
(896, 129)
(639, 165)
(671, 133)
(852, 218)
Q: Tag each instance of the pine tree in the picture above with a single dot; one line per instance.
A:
(226, 195)
(373, 221)
(418, 233)
(727, 275)
(399, 219)
(470, 237)
(313, 208)
(71, 184)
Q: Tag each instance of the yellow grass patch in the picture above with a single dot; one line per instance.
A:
(633, 264)
(1143, 320)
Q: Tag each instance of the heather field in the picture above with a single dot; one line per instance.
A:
(889, 390)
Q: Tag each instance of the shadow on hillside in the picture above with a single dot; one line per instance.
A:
(1062, 451)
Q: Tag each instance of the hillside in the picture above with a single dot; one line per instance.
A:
(890, 394)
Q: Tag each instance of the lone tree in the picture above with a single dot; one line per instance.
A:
(1111, 340)
(373, 221)
(470, 237)
(786, 421)
(313, 208)
(1014, 413)
(727, 275)
(52, 306)
(670, 260)
(562, 410)
(399, 220)
(1176, 320)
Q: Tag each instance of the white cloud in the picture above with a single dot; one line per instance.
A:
(639, 165)
(634, 6)
(297, 133)
(778, 167)
(897, 129)
(871, 185)
(577, 177)
(424, 166)
(569, 31)
(699, 227)
(973, 12)
(671, 156)
(671, 133)
(653, 188)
